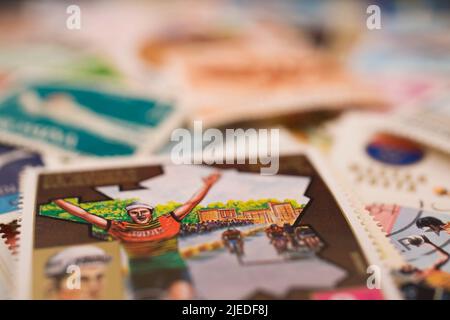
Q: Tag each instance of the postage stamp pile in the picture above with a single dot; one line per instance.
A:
(235, 150)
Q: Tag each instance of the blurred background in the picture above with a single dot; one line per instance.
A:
(294, 64)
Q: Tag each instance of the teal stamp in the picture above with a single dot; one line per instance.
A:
(85, 121)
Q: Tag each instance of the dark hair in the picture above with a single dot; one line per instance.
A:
(151, 211)
(428, 222)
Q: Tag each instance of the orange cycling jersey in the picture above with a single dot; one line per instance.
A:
(150, 239)
(164, 227)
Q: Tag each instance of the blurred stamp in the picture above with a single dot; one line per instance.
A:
(428, 122)
(85, 121)
(404, 186)
(12, 161)
(385, 167)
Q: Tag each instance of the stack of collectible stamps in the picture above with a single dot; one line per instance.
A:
(221, 153)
